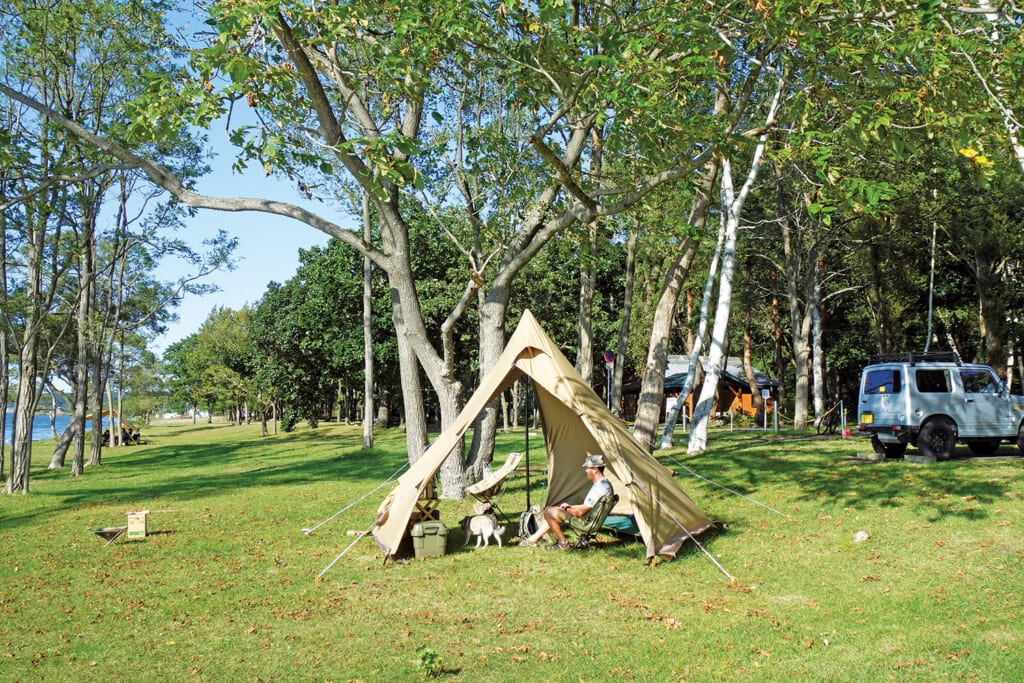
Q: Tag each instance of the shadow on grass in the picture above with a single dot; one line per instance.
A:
(179, 472)
(794, 467)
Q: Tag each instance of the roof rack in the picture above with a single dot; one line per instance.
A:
(914, 357)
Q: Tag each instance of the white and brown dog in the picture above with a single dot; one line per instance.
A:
(483, 527)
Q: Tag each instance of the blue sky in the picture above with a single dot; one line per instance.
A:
(268, 246)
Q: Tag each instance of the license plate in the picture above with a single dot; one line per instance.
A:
(866, 418)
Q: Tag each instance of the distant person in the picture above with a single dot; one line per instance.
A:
(557, 515)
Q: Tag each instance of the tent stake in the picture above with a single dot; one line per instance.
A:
(737, 493)
(307, 532)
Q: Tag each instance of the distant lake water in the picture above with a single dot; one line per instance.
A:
(40, 427)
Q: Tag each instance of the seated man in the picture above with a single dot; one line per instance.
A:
(556, 515)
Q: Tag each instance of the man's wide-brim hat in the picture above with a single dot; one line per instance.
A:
(596, 460)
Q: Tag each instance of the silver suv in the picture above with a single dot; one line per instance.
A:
(932, 400)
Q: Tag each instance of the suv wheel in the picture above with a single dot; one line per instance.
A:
(889, 450)
(937, 438)
(1020, 438)
(987, 447)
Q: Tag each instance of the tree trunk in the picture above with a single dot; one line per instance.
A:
(653, 384)
(25, 401)
(615, 400)
(817, 334)
(777, 334)
(96, 408)
(367, 331)
(698, 340)
(60, 449)
(64, 441)
(716, 354)
(992, 316)
(732, 205)
(412, 393)
(504, 412)
(53, 415)
(86, 305)
(383, 417)
(24, 414)
(517, 398)
(588, 279)
(5, 369)
(801, 325)
(492, 343)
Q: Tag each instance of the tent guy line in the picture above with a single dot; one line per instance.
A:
(737, 493)
(359, 537)
(637, 482)
(307, 532)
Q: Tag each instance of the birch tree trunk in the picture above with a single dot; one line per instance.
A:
(652, 386)
(732, 208)
(698, 340)
(716, 355)
(993, 86)
(368, 412)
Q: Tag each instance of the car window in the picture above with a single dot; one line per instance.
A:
(979, 381)
(932, 381)
(883, 382)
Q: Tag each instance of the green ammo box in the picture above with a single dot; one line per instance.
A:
(429, 539)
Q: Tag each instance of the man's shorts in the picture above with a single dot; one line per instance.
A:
(560, 516)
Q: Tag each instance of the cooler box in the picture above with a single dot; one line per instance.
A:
(429, 539)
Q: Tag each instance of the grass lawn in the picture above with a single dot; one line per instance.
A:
(223, 588)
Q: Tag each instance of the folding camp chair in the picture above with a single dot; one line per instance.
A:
(587, 526)
(489, 489)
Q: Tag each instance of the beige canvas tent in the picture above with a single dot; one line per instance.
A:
(576, 422)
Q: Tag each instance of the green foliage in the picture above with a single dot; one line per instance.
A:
(307, 334)
(429, 661)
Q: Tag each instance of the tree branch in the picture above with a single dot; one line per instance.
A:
(165, 178)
